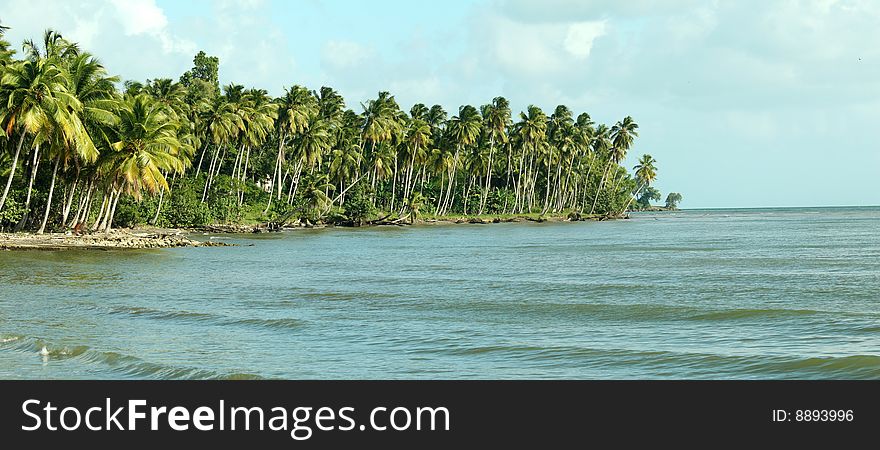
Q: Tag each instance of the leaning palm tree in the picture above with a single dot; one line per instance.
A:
(646, 173)
(96, 91)
(622, 135)
(144, 146)
(314, 195)
(35, 98)
(414, 205)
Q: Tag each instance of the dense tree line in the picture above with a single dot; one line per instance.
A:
(79, 150)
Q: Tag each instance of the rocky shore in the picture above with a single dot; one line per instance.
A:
(116, 239)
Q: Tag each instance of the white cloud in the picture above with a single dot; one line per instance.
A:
(580, 37)
(141, 16)
(145, 17)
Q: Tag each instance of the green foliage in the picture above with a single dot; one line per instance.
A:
(673, 199)
(498, 199)
(12, 212)
(184, 207)
(199, 155)
(201, 82)
(358, 207)
(649, 194)
(130, 212)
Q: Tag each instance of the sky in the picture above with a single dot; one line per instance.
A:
(742, 103)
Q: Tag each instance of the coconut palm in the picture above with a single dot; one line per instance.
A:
(294, 111)
(532, 133)
(646, 173)
(621, 135)
(144, 147)
(35, 101)
(463, 130)
(416, 143)
(496, 121)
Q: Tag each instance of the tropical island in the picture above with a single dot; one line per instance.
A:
(81, 152)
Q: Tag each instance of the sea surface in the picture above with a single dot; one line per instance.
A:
(718, 294)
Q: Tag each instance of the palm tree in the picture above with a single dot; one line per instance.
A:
(414, 206)
(463, 130)
(497, 120)
(622, 135)
(96, 91)
(532, 132)
(294, 111)
(646, 173)
(416, 142)
(144, 147)
(315, 198)
(259, 122)
(35, 98)
(5, 52)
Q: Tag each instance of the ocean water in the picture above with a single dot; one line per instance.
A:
(718, 294)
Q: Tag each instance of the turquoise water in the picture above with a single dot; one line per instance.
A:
(775, 293)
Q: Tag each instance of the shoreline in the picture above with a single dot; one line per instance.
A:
(147, 237)
(485, 219)
(120, 239)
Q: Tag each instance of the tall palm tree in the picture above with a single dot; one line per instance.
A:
(463, 130)
(497, 120)
(532, 132)
(416, 142)
(259, 122)
(144, 146)
(96, 91)
(295, 109)
(622, 135)
(35, 99)
(222, 122)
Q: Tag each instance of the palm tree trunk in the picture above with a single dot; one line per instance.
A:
(83, 202)
(158, 208)
(201, 158)
(109, 225)
(631, 198)
(210, 174)
(599, 188)
(275, 174)
(68, 204)
(488, 175)
(546, 192)
(394, 183)
(101, 212)
(508, 178)
(12, 170)
(49, 198)
(35, 164)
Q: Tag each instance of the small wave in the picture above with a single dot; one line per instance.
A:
(121, 364)
(6, 339)
(159, 314)
(664, 364)
(286, 323)
(736, 314)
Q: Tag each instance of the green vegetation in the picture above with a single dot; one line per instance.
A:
(672, 200)
(78, 152)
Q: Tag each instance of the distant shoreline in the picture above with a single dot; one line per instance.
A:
(156, 237)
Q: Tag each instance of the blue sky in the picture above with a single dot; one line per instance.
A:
(743, 103)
